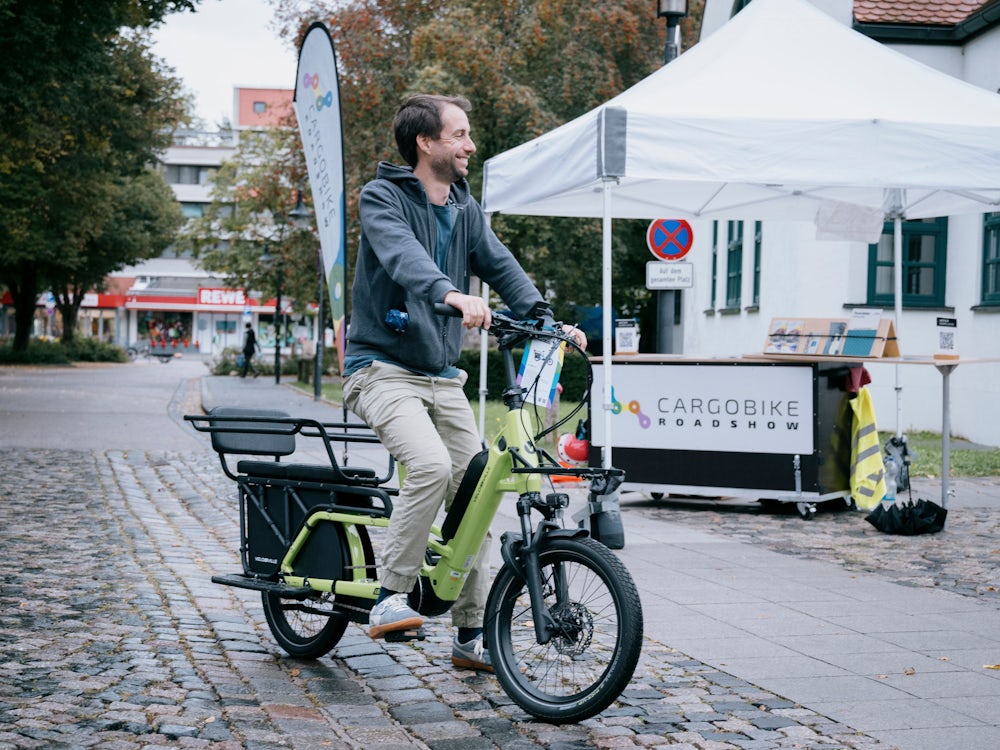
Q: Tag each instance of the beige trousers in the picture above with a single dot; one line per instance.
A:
(427, 425)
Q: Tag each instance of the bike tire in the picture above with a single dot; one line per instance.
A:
(581, 671)
(309, 627)
(300, 627)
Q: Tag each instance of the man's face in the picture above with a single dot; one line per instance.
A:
(450, 152)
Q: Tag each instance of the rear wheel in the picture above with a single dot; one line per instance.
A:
(592, 656)
(307, 628)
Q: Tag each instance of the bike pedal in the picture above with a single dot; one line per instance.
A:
(402, 636)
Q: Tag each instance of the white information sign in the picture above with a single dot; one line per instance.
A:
(675, 275)
(626, 336)
(729, 408)
(947, 339)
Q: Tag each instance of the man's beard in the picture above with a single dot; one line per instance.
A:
(446, 169)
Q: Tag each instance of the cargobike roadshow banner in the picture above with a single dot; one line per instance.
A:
(701, 407)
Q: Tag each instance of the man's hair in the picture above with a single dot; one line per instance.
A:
(421, 115)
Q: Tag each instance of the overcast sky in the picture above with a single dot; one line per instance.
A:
(226, 43)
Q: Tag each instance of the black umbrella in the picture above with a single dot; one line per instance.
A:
(907, 517)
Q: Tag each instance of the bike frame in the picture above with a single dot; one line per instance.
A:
(305, 546)
(512, 466)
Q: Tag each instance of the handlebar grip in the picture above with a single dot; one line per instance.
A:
(442, 308)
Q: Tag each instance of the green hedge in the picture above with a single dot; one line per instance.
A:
(49, 352)
(573, 377)
(227, 363)
(93, 350)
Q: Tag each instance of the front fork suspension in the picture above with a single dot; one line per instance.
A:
(520, 552)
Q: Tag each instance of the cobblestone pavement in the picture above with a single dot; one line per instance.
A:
(112, 635)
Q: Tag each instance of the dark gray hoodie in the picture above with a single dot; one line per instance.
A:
(396, 270)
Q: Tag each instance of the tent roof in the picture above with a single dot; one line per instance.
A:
(780, 113)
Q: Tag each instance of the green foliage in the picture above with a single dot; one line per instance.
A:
(38, 352)
(527, 66)
(47, 352)
(967, 459)
(252, 195)
(573, 376)
(93, 350)
(86, 107)
(227, 363)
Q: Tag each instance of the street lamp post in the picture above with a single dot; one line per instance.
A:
(320, 328)
(301, 216)
(268, 260)
(673, 11)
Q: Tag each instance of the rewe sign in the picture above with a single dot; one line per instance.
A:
(220, 296)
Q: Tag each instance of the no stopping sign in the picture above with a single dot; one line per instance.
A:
(669, 239)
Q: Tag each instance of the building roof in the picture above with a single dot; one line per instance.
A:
(923, 12)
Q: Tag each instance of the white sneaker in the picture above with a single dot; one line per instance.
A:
(391, 614)
(471, 655)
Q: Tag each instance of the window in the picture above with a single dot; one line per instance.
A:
(187, 174)
(991, 259)
(734, 264)
(193, 210)
(715, 262)
(259, 108)
(757, 232)
(924, 254)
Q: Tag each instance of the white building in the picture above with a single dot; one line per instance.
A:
(170, 301)
(748, 273)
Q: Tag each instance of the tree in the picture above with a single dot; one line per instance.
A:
(85, 106)
(252, 195)
(143, 221)
(527, 66)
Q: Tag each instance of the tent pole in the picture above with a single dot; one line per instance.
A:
(606, 321)
(897, 259)
(483, 348)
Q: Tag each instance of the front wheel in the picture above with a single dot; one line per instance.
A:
(590, 659)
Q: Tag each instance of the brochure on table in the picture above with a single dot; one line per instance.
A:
(866, 334)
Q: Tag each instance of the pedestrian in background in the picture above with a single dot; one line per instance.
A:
(250, 349)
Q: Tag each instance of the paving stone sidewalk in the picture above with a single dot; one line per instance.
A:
(112, 636)
(963, 559)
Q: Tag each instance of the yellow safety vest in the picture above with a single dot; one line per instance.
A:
(867, 469)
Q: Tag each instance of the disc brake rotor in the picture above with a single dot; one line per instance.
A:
(576, 628)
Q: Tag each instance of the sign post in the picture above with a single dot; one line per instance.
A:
(669, 240)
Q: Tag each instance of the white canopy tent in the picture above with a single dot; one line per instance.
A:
(783, 113)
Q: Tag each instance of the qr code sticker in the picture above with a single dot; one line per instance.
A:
(946, 341)
(626, 340)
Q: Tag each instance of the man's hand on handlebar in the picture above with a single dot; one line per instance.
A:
(475, 311)
(577, 335)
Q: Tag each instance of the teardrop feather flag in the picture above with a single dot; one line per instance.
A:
(317, 108)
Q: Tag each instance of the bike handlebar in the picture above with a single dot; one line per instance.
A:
(540, 326)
